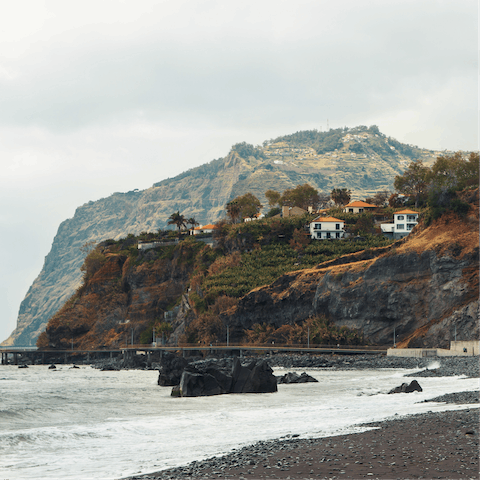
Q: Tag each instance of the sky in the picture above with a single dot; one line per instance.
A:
(107, 96)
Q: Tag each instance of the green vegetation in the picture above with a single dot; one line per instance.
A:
(315, 330)
(437, 187)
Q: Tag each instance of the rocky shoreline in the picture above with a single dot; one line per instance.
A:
(431, 445)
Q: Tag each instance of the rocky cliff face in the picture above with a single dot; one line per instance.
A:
(365, 163)
(121, 299)
(423, 287)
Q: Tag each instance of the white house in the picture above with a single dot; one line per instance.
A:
(326, 227)
(403, 223)
(204, 229)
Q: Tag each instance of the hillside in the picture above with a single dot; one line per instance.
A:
(425, 286)
(265, 289)
(361, 159)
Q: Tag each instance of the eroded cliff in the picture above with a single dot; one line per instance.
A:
(424, 287)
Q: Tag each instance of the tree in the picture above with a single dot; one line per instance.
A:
(341, 196)
(191, 221)
(234, 210)
(178, 220)
(302, 196)
(454, 172)
(273, 197)
(247, 205)
(380, 198)
(413, 181)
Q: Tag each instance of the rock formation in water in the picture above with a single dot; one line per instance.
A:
(212, 378)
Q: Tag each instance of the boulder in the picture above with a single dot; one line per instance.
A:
(213, 378)
(292, 377)
(414, 386)
(171, 369)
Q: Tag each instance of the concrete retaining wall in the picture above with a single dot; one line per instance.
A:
(457, 349)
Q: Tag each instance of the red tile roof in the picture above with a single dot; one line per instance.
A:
(406, 211)
(206, 227)
(361, 204)
(327, 219)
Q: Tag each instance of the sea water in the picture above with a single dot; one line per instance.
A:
(82, 423)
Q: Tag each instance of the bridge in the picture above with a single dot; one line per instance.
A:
(16, 355)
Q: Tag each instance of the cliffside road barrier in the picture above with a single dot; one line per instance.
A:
(16, 356)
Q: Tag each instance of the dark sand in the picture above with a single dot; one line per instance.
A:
(432, 445)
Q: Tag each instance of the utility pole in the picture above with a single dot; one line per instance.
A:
(132, 336)
(394, 343)
(154, 338)
(228, 335)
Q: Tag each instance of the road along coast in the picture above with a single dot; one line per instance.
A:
(431, 445)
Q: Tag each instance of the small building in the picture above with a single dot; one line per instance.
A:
(359, 207)
(323, 228)
(403, 223)
(204, 229)
(292, 212)
(258, 216)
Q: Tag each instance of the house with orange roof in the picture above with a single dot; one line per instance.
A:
(323, 228)
(359, 207)
(204, 229)
(403, 223)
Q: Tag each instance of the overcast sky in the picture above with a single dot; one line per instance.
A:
(109, 95)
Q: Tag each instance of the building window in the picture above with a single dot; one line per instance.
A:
(411, 218)
(317, 226)
(400, 217)
(350, 210)
(319, 235)
(360, 210)
(337, 234)
(400, 226)
(337, 226)
(328, 235)
(410, 226)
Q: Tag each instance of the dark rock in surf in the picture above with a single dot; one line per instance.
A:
(414, 386)
(204, 379)
(171, 369)
(52, 367)
(292, 377)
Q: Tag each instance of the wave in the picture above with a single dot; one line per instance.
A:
(44, 437)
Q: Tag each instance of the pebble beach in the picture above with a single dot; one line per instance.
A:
(432, 445)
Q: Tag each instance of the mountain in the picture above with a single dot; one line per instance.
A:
(361, 159)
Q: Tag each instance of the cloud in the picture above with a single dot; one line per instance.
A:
(263, 63)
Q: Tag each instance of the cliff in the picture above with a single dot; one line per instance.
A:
(361, 159)
(424, 286)
(122, 296)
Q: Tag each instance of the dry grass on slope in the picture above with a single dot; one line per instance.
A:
(449, 232)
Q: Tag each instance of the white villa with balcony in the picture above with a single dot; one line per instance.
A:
(323, 228)
(403, 223)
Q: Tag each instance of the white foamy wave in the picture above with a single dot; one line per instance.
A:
(93, 424)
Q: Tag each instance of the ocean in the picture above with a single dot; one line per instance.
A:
(82, 423)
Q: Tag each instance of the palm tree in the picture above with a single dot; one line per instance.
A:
(191, 221)
(178, 220)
